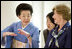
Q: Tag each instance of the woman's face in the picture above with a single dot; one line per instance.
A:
(25, 16)
(50, 25)
(57, 17)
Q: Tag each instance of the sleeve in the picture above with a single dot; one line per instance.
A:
(45, 33)
(44, 36)
(46, 44)
(48, 39)
(68, 39)
(7, 29)
(35, 40)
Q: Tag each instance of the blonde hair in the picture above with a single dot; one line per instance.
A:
(64, 11)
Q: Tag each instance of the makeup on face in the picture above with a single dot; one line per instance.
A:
(25, 16)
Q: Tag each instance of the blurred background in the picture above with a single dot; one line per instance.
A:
(40, 10)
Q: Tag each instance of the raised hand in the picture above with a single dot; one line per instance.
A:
(9, 33)
(27, 35)
(22, 32)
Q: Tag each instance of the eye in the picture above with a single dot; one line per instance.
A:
(23, 16)
(28, 16)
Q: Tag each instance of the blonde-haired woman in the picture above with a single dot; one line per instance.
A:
(60, 37)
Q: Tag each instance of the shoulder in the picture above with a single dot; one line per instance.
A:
(32, 26)
(68, 30)
(45, 31)
(68, 27)
(16, 23)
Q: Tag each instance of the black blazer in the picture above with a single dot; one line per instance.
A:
(45, 33)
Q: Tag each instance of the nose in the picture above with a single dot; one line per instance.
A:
(48, 24)
(26, 17)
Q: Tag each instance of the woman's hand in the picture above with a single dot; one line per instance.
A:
(22, 32)
(9, 33)
(27, 35)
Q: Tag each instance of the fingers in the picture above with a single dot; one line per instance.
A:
(28, 35)
(23, 32)
(20, 33)
(20, 30)
(13, 34)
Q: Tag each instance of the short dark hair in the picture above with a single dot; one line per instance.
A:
(49, 15)
(23, 6)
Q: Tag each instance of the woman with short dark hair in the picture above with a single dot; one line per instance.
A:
(50, 25)
(22, 34)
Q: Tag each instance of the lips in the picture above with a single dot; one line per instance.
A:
(26, 21)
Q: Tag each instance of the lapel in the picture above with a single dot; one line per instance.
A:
(29, 28)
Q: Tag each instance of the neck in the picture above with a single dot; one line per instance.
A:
(24, 24)
(62, 23)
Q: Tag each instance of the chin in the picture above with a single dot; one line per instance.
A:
(56, 22)
(26, 22)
